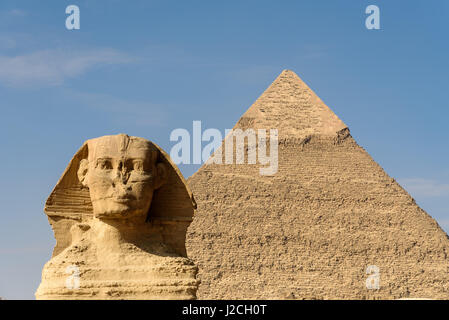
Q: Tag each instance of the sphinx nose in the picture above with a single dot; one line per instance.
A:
(120, 184)
(121, 188)
(121, 176)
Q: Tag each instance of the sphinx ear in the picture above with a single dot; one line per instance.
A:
(83, 171)
(161, 175)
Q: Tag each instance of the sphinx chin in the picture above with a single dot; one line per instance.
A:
(120, 208)
(120, 215)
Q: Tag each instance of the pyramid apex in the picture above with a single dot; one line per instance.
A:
(288, 71)
(289, 105)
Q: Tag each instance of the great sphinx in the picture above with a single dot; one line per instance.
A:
(119, 213)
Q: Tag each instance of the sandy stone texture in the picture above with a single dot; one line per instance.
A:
(119, 213)
(311, 230)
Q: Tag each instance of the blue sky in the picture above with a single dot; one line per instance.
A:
(147, 67)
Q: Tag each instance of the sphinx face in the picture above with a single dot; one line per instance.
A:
(121, 176)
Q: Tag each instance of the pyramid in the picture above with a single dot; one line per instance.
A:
(322, 227)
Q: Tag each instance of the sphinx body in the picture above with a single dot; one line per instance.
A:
(120, 213)
(109, 266)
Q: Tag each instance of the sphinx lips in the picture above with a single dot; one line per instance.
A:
(124, 198)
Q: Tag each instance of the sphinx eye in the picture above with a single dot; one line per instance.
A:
(104, 164)
(138, 165)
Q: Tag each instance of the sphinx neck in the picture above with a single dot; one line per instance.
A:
(113, 232)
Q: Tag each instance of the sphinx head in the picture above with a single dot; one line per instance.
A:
(122, 174)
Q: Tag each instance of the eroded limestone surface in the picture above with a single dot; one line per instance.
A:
(119, 213)
(310, 230)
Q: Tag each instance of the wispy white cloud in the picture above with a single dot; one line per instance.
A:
(17, 13)
(53, 67)
(425, 187)
(19, 40)
(13, 14)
